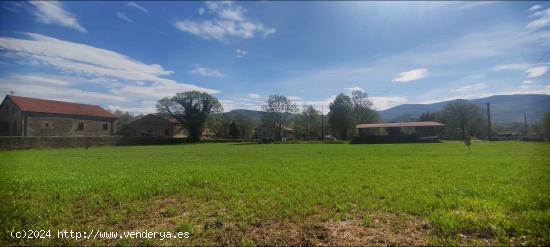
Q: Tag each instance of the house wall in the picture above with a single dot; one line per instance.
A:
(11, 119)
(263, 132)
(149, 126)
(44, 124)
(23, 142)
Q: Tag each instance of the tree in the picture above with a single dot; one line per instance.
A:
(278, 110)
(219, 124)
(546, 124)
(463, 118)
(191, 109)
(246, 125)
(362, 109)
(234, 131)
(124, 118)
(341, 116)
(308, 123)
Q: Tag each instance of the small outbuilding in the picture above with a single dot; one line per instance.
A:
(151, 125)
(266, 132)
(427, 131)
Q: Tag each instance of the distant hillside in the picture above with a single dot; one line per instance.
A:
(252, 114)
(505, 109)
(255, 115)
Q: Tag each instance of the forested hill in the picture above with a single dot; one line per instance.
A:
(505, 109)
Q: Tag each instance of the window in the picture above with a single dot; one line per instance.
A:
(80, 126)
(105, 126)
(166, 132)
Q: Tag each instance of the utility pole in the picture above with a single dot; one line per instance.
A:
(488, 121)
(524, 124)
(322, 124)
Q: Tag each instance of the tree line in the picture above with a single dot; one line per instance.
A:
(198, 110)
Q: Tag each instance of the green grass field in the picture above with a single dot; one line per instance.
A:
(239, 193)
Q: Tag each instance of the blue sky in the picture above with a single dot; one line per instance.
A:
(128, 55)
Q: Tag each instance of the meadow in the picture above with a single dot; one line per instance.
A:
(289, 194)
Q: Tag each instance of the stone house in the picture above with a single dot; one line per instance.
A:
(24, 116)
(266, 132)
(158, 125)
(151, 125)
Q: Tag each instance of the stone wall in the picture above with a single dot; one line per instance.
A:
(10, 119)
(20, 142)
(52, 125)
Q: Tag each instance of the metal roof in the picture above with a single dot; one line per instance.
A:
(397, 125)
(26, 104)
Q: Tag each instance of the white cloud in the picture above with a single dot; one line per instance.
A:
(523, 89)
(536, 71)
(55, 88)
(207, 72)
(115, 74)
(383, 103)
(293, 98)
(528, 81)
(528, 89)
(351, 89)
(411, 75)
(254, 96)
(535, 7)
(229, 22)
(379, 102)
(241, 52)
(322, 104)
(133, 109)
(474, 4)
(469, 88)
(137, 6)
(542, 19)
(123, 16)
(201, 11)
(52, 12)
(512, 66)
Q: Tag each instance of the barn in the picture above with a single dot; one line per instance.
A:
(427, 131)
(24, 116)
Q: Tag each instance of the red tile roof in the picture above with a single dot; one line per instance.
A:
(26, 104)
(401, 124)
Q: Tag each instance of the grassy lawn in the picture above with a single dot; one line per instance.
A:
(238, 193)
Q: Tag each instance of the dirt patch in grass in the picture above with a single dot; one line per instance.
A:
(383, 229)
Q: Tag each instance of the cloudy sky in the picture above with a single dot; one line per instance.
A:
(128, 55)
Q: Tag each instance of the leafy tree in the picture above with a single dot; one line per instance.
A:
(363, 111)
(278, 110)
(308, 123)
(234, 131)
(341, 116)
(219, 124)
(362, 108)
(124, 118)
(191, 109)
(546, 125)
(463, 118)
(246, 125)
